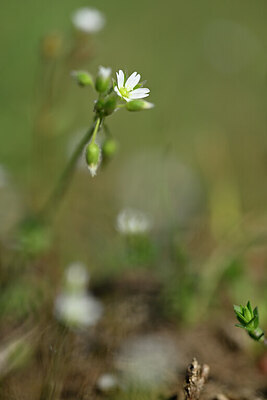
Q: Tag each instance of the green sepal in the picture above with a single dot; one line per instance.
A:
(102, 85)
(106, 105)
(103, 81)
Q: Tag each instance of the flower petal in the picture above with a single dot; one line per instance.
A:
(117, 91)
(141, 90)
(133, 95)
(120, 78)
(132, 81)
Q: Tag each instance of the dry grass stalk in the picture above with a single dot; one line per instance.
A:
(196, 377)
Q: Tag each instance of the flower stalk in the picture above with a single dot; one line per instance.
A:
(131, 92)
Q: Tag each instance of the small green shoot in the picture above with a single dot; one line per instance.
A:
(249, 320)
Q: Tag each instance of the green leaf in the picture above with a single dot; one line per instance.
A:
(240, 317)
(256, 312)
(238, 309)
(251, 323)
(249, 307)
(256, 315)
(240, 326)
(247, 314)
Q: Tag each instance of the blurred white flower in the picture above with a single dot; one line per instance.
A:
(107, 382)
(126, 90)
(147, 361)
(74, 307)
(77, 276)
(170, 190)
(132, 222)
(77, 310)
(88, 20)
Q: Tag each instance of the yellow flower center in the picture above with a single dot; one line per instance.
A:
(124, 92)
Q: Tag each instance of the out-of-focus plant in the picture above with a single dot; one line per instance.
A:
(60, 52)
(21, 298)
(34, 236)
(74, 307)
(249, 320)
(135, 226)
(16, 353)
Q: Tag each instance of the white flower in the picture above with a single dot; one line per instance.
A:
(130, 221)
(88, 20)
(126, 90)
(77, 310)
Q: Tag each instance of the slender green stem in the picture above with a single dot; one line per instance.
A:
(95, 130)
(64, 181)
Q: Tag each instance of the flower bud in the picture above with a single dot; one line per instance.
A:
(83, 78)
(93, 157)
(109, 148)
(138, 105)
(103, 79)
(106, 106)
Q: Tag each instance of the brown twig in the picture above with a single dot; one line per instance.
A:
(196, 377)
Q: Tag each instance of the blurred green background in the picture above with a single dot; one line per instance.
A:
(205, 63)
